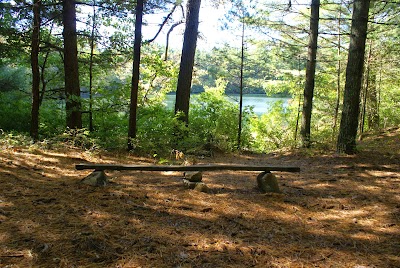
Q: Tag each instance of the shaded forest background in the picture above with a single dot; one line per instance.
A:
(273, 56)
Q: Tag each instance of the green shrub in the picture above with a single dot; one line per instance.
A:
(15, 109)
(273, 130)
(52, 119)
(214, 120)
(13, 79)
(155, 129)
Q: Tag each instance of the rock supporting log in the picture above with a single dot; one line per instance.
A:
(96, 178)
(189, 184)
(268, 183)
(195, 176)
(197, 186)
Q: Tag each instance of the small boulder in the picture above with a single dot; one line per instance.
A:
(197, 186)
(201, 187)
(189, 184)
(96, 178)
(194, 176)
(268, 183)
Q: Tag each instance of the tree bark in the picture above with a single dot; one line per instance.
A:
(373, 116)
(239, 143)
(34, 131)
(305, 130)
(339, 72)
(72, 88)
(91, 128)
(354, 71)
(135, 74)
(187, 60)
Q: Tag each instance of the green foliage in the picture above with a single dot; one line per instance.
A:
(214, 119)
(390, 107)
(51, 119)
(155, 130)
(273, 130)
(15, 111)
(76, 138)
(158, 77)
(13, 78)
(12, 139)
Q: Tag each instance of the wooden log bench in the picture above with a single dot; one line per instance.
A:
(266, 181)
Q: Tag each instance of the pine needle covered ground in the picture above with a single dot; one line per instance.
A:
(339, 211)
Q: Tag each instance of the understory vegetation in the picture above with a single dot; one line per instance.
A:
(213, 119)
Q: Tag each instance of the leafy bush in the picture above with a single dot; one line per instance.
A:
(52, 119)
(13, 79)
(273, 130)
(390, 108)
(76, 138)
(12, 139)
(214, 120)
(15, 109)
(155, 128)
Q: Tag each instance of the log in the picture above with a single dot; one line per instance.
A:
(212, 167)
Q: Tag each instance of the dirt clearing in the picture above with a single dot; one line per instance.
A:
(339, 211)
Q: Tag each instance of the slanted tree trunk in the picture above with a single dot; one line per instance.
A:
(72, 88)
(135, 74)
(187, 60)
(305, 130)
(34, 131)
(354, 71)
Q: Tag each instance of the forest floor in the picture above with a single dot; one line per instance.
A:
(339, 211)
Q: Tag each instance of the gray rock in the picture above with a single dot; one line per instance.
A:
(197, 186)
(96, 178)
(201, 187)
(268, 183)
(194, 176)
(189, 184)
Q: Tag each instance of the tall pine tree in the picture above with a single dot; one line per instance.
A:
(354, 72)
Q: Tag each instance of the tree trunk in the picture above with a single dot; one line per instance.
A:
(241, 89)
(339, 71)
(305, 130)
(354, 71)
(91, 128)
(373, 116)
(72, 88)
(365, 93)
(43, 68)
(187, 60)
(135, 74)
(34, 131)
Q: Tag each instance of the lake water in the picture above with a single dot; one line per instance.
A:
(260, 102)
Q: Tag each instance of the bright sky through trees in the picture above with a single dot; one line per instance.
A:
(211, 30)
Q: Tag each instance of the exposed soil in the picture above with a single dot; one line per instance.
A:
(339, 211)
